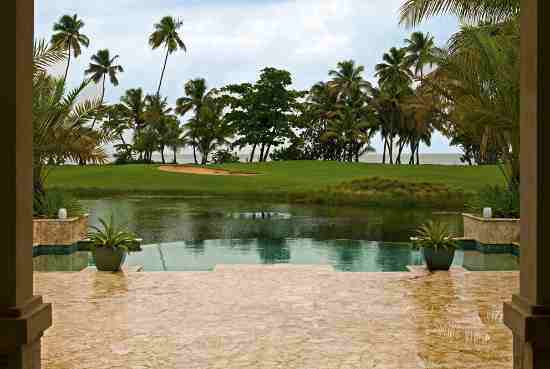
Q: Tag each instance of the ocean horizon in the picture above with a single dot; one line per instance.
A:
(430, 159)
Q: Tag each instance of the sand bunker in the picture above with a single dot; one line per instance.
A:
(202, 171)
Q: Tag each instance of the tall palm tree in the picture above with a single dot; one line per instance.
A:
(421, 51)
(67, 34)
(60, 117)
(394, 71)
(196, 93)
(102, 66)
(413, 12)
(166, 34)
(348, 77)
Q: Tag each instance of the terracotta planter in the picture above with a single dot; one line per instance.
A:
(438, 259)
(491, 231)
(59, 232)
(108, 259)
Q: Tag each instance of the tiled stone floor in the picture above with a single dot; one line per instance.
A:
(277, 317)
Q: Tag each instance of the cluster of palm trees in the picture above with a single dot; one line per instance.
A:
(475, 87)
(135, 110)
(343, 114)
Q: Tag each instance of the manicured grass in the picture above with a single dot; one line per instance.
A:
(276, 180)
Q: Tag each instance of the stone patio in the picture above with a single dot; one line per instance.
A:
(287, 317)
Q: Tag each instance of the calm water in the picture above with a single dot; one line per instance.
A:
(199, 233)
(169, 219)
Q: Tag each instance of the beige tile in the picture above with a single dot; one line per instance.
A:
(277, 317)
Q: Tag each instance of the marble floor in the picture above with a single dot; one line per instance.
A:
(287, 317)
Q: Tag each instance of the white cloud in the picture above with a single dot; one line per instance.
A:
(230, 41)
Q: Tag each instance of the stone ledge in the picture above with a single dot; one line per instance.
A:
(491, 220)
(273, 267)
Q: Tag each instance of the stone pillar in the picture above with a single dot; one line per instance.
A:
(23, 316)
(528, 315)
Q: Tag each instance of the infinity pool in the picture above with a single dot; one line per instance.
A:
(343, 255)
(196, 234)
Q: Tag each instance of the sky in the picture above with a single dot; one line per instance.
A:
(230, 41)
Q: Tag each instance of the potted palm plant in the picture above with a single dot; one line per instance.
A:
(437, 244)
(110, 245)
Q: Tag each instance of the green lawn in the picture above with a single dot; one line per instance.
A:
(280, 180)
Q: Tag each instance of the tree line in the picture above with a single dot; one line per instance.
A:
(467, 89)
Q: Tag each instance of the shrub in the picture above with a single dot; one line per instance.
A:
(505, 202)
(47, 205)
(292, 152)
(224, 157)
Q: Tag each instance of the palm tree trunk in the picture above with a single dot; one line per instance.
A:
(262, 152)
(384, 155)
(195, 152)
(401, 146)
(418, 153)
(175, 150)
(390, 149)
(68, 64)
(162, 154)
(163, 70)
(266, 154)
(252, 153)
(102, 97)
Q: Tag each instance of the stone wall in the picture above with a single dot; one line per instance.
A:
(59, 232)
(492, 231)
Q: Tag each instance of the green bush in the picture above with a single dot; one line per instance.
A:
(224, 157)
(47, 205)
(505, 202)
(292, 152)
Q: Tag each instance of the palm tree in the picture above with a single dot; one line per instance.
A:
(478, 78)
(420, 52)
(348, 77)
(60, 117)
(166, 34)
(413, 12)
(394, 71)
(196, 93)
(133, 103)
(102, 66)
(67, 34)
(209, 128)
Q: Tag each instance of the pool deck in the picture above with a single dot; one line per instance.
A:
(285, 317)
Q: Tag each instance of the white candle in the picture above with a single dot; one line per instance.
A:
(62, 213)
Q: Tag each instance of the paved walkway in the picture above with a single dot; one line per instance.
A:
(277, 317)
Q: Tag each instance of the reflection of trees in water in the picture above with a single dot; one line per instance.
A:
(345, 253)
(177, 219)
(196, 246)
(273, 251)
(391, 258)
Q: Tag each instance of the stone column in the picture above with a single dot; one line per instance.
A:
(529, 313)
(23, 316)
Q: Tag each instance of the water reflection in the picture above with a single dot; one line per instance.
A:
(162, 219)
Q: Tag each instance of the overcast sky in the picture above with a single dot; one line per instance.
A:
(230, 41)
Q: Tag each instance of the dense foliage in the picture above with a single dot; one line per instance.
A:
(504, 202)
(47, 205)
